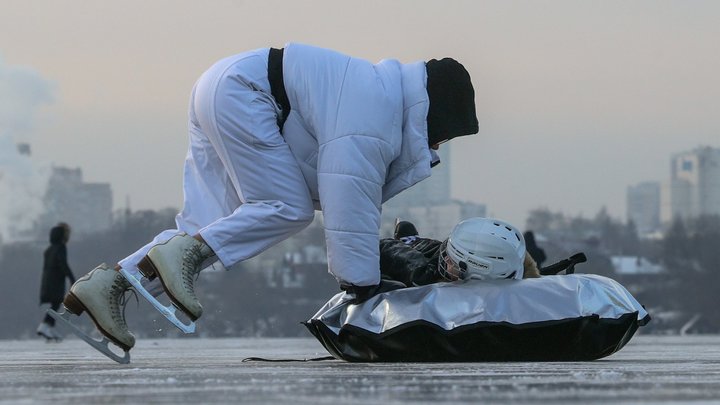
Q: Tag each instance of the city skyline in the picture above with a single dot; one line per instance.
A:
(651, 205)
(576, 100)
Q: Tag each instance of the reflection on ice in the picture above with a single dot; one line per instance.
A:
(649, 369)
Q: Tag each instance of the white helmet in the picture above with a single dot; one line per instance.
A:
(482, 248)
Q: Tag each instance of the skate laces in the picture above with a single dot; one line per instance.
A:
(192, 258)
(118, 298)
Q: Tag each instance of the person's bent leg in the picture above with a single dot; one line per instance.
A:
(276, 202)
(100, 292)
(240, 123)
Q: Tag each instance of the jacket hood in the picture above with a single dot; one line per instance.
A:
(57, 235)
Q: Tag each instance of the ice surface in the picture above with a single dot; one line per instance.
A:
(650, 369)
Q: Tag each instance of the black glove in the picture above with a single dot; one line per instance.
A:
(364, 293)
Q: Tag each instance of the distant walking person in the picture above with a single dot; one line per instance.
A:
(55, 270)
(537, 253)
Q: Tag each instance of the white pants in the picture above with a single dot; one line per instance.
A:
(244, 190)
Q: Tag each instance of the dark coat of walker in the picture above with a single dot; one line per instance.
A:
(55, 268)
(537, 253)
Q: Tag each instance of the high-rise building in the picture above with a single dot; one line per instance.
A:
(429, 204)
(694, 187)
(86, 207)
(643, 206)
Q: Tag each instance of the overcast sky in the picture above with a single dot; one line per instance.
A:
(576, 99)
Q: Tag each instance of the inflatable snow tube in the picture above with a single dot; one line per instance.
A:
(555, 318)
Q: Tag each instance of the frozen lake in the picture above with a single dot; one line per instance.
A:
(650, 369)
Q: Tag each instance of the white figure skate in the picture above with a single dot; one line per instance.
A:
(176, 263)
(168, 311)
(101, 293)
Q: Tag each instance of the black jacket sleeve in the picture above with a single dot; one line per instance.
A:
(62, 264)
(401, 262)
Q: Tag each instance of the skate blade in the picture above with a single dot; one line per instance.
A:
(167, 311)
(99, 345)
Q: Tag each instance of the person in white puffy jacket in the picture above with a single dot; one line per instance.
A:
(276, 134)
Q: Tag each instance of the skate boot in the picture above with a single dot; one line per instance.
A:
(101, 293)
(176, 263)
(44, 331)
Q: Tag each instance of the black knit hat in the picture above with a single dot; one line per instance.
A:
(452, 101)
(404, 229)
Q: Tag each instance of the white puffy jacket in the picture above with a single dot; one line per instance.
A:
(359, 133)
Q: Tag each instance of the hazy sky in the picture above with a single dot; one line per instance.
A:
(576, 99)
